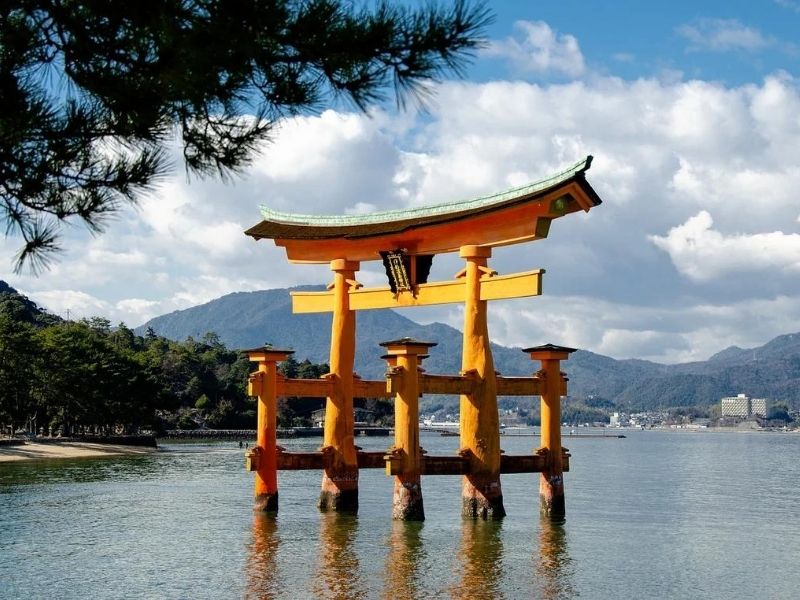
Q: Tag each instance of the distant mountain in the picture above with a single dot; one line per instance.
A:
(20, 308)
(249, 319)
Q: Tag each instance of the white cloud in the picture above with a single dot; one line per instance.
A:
(645, 274)
(792, 5)
(702, 253)
(721, 35)
(72, 304)
(541, 50)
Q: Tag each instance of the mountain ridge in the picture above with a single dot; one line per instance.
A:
(248, 319)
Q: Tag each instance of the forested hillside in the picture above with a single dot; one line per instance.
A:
(250, 319)
(71, 377)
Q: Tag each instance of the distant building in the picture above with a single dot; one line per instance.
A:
(744, 407)
(758, 407)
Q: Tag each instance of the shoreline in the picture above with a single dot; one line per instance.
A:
(54, 450)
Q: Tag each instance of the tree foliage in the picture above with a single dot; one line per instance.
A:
(73, 377)
(92, 92)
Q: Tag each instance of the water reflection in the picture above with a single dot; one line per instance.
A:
(403, 564)
(481, 558)
(338, 570)
(554, 566)
(80, 470)
(262, 556)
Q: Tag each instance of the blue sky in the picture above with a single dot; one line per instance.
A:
(691, 110)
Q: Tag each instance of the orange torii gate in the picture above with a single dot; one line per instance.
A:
(406, 241)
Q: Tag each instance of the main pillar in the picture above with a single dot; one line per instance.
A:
(263, 459)
(481, 493)
(406, 456)
(340, 480)
(551, 480)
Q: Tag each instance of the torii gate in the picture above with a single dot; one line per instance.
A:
(406, 241)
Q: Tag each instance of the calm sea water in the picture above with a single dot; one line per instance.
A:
(655, 515)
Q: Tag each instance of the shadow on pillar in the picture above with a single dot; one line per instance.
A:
(266, 503)
(261, 572)
(338, 572)
(482, 497)
(554, 572)
(552, 504)
(406, 553)
(339, 491)
(481, 560)
(407, 502)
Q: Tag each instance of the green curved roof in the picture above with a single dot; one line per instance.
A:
(424, 212)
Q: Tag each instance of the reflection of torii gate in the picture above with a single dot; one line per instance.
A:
(406, 241)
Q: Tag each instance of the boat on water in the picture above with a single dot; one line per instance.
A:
(431, 424)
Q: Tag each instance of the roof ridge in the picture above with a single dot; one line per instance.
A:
(428, 210)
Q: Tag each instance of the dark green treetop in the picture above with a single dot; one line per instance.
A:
(93, 91)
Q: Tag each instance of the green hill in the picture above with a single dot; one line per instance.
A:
(249, 319)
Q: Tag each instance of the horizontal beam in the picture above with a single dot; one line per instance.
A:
(503, 287)
(306, 461)
(323, 388)
(302, 461)
(431, 465)
(363, 388)
(445, 465)
(429, 384)
(446, 384)
(518, 386)
(304, 388)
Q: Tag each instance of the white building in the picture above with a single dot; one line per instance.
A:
(744, 407)
(758, 407)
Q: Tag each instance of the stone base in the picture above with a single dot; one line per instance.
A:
(345, 501)
(482, 497)
(407, 502)
(339, 492)
(266, 503)
(551, 497)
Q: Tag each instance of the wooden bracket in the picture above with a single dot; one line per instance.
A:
(255, 384)
(354, 284)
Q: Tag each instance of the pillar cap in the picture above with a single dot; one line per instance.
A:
(267, 354)
(549, 351)
(475, 252)
(342, 264)
(407, 345)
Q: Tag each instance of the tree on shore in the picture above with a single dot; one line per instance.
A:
(94, 92)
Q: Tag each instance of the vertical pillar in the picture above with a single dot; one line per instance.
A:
(263, 458)
(339, 490)
(405, 461)
(481, 493)
(551, 480)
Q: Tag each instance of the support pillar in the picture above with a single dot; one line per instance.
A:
(263, 458)
(481, 493)
(339, 490)
(551, 480)
(406, 456)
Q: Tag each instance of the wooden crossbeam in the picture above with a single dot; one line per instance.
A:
(363, 388)
(304, 388)
(431, 465)
(429, 384)
(516, 285)
(445, 384)
(323, 388)
(306, 461)
(518, 386)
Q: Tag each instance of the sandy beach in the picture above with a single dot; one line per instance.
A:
(54, 450)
